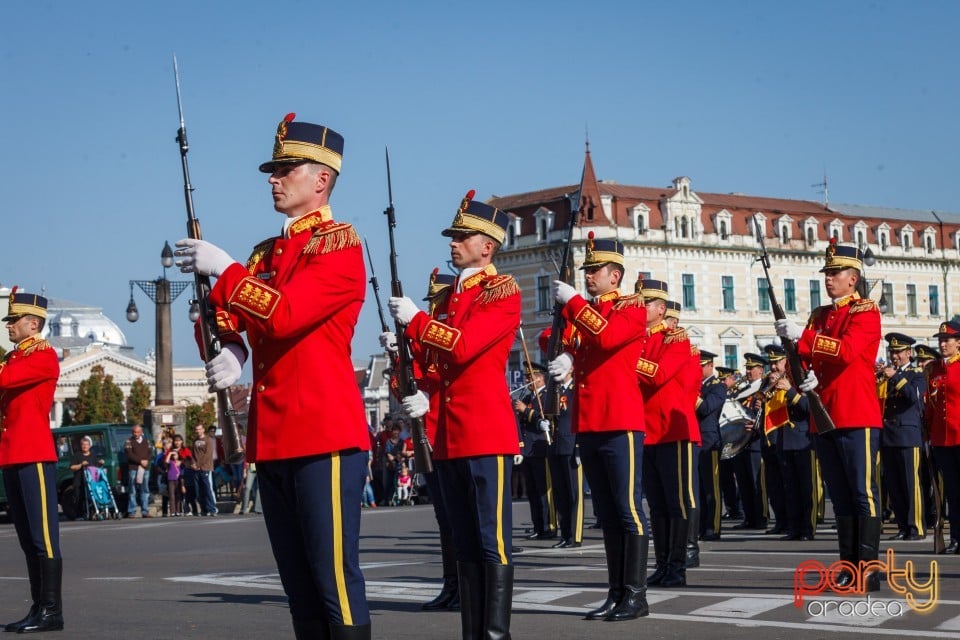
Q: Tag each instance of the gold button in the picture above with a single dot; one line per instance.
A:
(260, 341)
(455, 299)
(446, 383)
(446, 367)
(447, 399)
(261, 388)
(279, 251)
(273, 274)
(260, 366)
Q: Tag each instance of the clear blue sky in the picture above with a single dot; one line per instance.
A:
(495, 96)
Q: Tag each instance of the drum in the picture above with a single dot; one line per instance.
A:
(736, 428)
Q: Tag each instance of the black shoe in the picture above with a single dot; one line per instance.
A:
(448, 593)
(900, 535)
(614, 546)
(546, 535)
(776, 530)
(560, 545)
(953, 547)
(50, 609)
(634, 601)
(572, 544)
(743, 525)
(710, 537)
(731, 515)
(516, 549)
(791, 536)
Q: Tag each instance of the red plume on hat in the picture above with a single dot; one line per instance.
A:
(637, 288)
(543, 340)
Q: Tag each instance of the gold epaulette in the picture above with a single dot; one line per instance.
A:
(675, 335)
(334, 237)
(257, 254)
(815, 315)
(864, 304)
(498, 287)
(628, 302)
(37, 345)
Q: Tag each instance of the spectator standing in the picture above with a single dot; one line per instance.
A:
(251, 492)
(173, 464)
(160, 469)
(203, 448)
(139, 452)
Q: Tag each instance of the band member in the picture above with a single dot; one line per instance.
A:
(669, 414)
(840, 342)
(728, 481)
(468, 338)
(942, 419)
(748, 464)
(770, 445)
(28, 379)
(566, 472)
(924, 355)
(787, 423)
(298, 299)
(535, 429)
(901, 388)
(609, 419)
(713, 393)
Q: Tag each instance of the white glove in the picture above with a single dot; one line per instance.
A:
(517, 459)
(560, 366)
(545, 426)
(402, 309)
(388, 340)
(562, 292)
(225, 368)
(788, 329)
(417, 405)
(200, 256)
(809, 383)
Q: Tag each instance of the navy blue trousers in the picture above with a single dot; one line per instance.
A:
(710, 500)
(848, 462)
(311, 507)
(476, 496)
(948, 463)
(901, 481)
(566, 476)
(663, 479)
(798, 469)
(613, 464)
(32, 496)
(539, 493)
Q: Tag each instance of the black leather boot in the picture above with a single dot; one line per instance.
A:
(676, 575)
(693, 531)
(311, 629)
(33, 572)
(847, 541)
(634, 602)
(661, 549)
(613, 542)
(49, 615)
(497, 601)
(449, 592)
(470, 578)
(868, 533)
(349, 632)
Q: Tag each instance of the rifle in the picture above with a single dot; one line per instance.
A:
(227, 417)
(529, 363)
(818, 412)
(376, 291)
(404, 365)
(551, 405)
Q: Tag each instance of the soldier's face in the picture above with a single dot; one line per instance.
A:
(901, 357)
(949, 347)
(600, 280)
(470, 250)
(840, 282)
(298, 188)
(22, 328)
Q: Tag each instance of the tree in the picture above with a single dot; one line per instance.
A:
(138, 400)
(99, 399)
(205, 415)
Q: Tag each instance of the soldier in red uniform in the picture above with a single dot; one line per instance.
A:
(608, 419)
(669, 409)
(942, 422)
(28, 379)
(467, 339)
(298, 298)
(840, 343)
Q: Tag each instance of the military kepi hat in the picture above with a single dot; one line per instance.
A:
(842, 256)
(673, 309)
(602, 251)
(898, 341)
(723, 372)
(707, 357)
(22, 304)
(924, 353)
(949, 329)
(754, 360)
(304, 142)
(775, 352)
(477, 217)
(439, 283)
(653, 290)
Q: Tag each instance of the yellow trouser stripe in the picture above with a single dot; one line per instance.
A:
(765, 508)
(821, 496)
(551, 507)
(917, 500)
(717, 498)
(870, 462)
(337, 526)
(683, 503)
(578, 513)
(43, 511)
(814, 490)
(633, 483)
(501, 549)
(693, 495)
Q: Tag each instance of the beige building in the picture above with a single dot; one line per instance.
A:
(704, 246)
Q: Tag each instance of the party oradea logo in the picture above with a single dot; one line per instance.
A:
(812, 578)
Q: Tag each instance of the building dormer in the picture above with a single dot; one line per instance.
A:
(883, 236)
(810, 228)
(836, 229)
(640, 214)
(682, 211)
(860, 233)
(785, 228)
(513, 230)
(929, 240)
(757, 219)
(723, 222)
(906, 237)
(543, 219)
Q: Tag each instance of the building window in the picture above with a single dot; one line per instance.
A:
(884, 240)
(814, 294)
(912, 300)
(907, 241)
(641, 225)
(731, 359)
(811, 236)
(543, 293)
(835, 234)
(861, 239)
(689, 297)
(511, 235)
(726, 285)
(684, 232)
(789, 295)
(542, 229)
(934, 292)
(763, 297)
(784, 234)
(888, 294)
(929, 241)
(723, 230)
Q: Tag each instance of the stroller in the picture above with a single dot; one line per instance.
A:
(100, 504)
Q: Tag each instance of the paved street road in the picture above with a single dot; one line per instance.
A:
(215, 578)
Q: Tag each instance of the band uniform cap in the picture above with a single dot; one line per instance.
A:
(478, 217)
(305, 142)
(602, 251)
(22, 304)
(774, 352)
(950, 329)
(723, 372)
(538, 368)
(673, 310)
(899, 341)
(924, 352)
(439, 282)
(754, 360)
(842, 256)
(707, 357)
(654, 290)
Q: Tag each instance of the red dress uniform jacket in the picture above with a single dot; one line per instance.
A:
(469, 339)
(298, 299)
(662, 370)
(610, 332)
(942, 415)
(693, 381)
(28, 380)
(841, 343)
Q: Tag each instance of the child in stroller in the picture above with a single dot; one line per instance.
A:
(91, 485)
